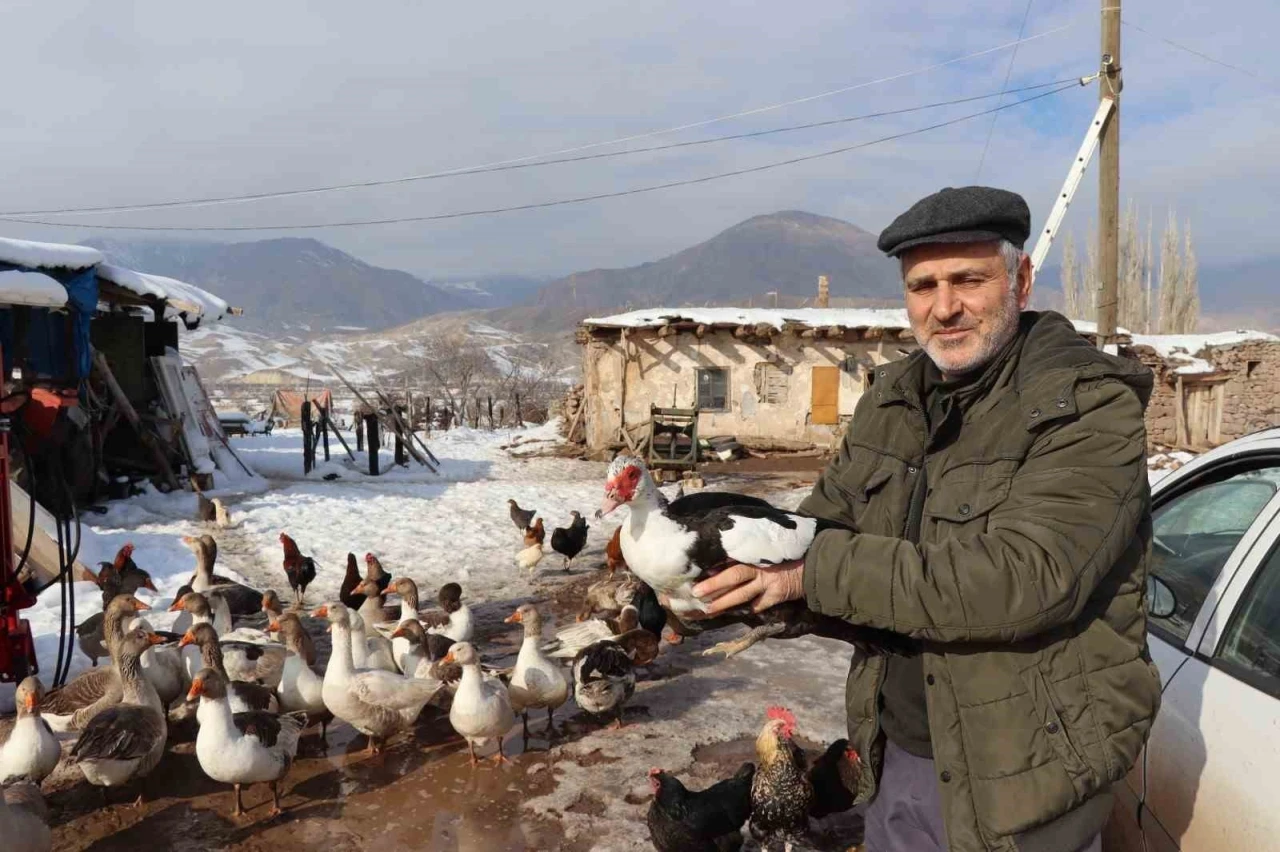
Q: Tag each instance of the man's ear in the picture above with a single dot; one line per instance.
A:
(1026, 281)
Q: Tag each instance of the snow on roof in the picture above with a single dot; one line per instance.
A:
(30, 288)
(1183, 348)
(47, 255)
(183, 297)
(1091, 327)
(776, 317)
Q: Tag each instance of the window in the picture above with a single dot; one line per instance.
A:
(713, 389)
(1251, 648)
(1194, 535)
(772, 382)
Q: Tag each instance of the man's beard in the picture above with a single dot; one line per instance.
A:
(1003, 327)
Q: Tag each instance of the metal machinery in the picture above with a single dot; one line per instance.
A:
(673, 438)
(17, 651)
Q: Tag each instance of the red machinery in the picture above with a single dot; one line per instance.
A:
(17, 651)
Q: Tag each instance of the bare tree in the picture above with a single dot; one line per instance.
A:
(1170, 277)
(1188, 308)
(454, 369)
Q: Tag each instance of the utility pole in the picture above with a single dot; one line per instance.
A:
(1109, 177)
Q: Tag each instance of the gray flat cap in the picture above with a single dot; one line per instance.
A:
(970, 214)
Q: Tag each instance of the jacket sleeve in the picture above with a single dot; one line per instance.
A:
(1073, 508)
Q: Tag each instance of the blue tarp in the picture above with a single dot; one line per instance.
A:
(56, 343)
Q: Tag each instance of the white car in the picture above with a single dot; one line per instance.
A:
(1209, 777)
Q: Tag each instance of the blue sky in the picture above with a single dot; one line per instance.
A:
(109, 102)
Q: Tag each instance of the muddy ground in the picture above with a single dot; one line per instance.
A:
(421, 793)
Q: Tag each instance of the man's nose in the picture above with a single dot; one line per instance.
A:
(945, 303)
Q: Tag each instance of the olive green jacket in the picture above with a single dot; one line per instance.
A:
(1026, 590)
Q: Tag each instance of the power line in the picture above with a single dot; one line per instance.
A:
(1013, 57)
(1206, 57)
(560, 202)
(341, 187)
(611, 154)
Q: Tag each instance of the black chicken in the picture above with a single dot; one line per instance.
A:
(834, 777)
(569, 541)
(347, 591)
(781, 793)
(682, 820)
(522, 518)
(300, 570)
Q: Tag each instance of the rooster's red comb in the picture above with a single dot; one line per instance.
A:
(782, 714)
(654, 771)
(851, 754)
(369, 556)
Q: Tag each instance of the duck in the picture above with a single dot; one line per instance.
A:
(455, 619)
(640, 643)
(31, 751)
(537, 682)
(604, 677)
(481, 708)
(371, 650)
(243, 748)
(376, 703)
(245, 694)
(72, 706)
(301, 688)
(609, 595)
(241, 599)
(24, 818)
(569, 541)
(119, 577)
(425, 659)
(125, 741)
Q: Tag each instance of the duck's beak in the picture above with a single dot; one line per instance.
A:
(514, 618)
(611, 501)
(197, 689)
(188, 638)
(322, 612)
(449, 658)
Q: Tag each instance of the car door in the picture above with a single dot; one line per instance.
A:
(1210, 533)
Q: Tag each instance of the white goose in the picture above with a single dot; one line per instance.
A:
(481, 708)
(301, 689)
(370, 651)
(376, 703)
(31, 750)
(537, 681)
(242, 748)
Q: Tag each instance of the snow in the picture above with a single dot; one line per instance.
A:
(1090, 327)
(775, 317)
(183, 297)
(30, 288)
(47, 255)
(1184, 348)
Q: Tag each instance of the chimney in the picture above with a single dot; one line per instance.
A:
(824, 292)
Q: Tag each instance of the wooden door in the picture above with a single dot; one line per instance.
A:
(1204, 404)
(824, 405)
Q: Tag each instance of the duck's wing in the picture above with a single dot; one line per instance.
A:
(572, 639)
(395, 691)
(123, 732)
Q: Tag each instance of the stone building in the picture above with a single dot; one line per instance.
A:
(1210, 388)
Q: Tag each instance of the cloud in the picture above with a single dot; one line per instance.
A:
(117, 102)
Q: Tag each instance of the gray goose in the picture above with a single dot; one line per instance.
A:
(243, 600)
(245, 696)
(70, 707)
(125, 741)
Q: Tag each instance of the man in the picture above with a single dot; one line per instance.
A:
(994, 506)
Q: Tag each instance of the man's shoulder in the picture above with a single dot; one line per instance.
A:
(1056, 358)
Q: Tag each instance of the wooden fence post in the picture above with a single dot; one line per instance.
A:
(358, 423)
(308, 446)
(490, 412)
(402, 458)
(371, 426)
(323, 430)
(519, 414)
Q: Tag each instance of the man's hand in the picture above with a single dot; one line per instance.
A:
(738, 584)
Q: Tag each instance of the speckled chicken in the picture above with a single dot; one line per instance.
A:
(781, 791)
(710, 820)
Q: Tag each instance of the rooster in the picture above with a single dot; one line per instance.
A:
(300, 570)
(535, 534)
(522, 518)
(781, 792)
(350, 580)
(569, 541)
(374, 571)
(834, 777)
(710, 820)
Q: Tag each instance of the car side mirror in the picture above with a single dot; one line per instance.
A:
(1161, 601)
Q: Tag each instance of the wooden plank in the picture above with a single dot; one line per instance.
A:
(373, 408)
(1180, 415)
(148, 439)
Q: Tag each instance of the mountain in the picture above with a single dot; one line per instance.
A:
(781, 252)
(293, 283)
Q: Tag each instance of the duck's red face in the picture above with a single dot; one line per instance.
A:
(621, 487)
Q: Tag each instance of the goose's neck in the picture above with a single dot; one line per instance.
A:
(211, 658)
(471, 678)
(113, 627)
(217, 717)
(340, 660)
(408, 607)
(131, 679)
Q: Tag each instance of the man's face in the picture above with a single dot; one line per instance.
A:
(962, 306)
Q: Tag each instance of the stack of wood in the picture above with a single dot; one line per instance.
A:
(571, 422)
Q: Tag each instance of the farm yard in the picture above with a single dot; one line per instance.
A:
(694, 716)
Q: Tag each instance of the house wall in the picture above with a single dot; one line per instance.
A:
(1252, 396)
(662, 371)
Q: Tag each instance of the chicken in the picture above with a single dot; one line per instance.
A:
(221, 517)
(569, 541)
(535, 534)
(530, 556)
(300, 570)
(350, 580)
(205, 511)
(682, 820)
(613, 553)
(374, 571)
(781, 792)
(522, 518)
(834, 777)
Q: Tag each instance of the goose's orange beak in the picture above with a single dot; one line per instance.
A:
(399, 633)
(449, 658)
(322, 612)
(155, 639)
(177, 606)
(274, 627)
(188, 638)
(197, 689)
(514, 618)
(139, 606)
(31, 701)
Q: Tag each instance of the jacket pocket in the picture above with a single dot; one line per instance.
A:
(1052, 727)
(960, 508)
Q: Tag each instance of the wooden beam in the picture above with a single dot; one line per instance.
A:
(664, 330)
(147, 438)
(764, 329)
(875, 332)
(741, 332)
(906, 334)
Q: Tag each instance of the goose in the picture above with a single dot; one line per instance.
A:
(604, 678)
(242, 599)
(301, 689)
(425, 659)
(245, 695)
(370, 651)
(24, 818)
(242, 748)
(163, 665)
(536, 681)
(376, 703)
(125, 741)
(481, 708)
(32, 751)
(204, 609)
(456, 620)
(71, 707)
(401, 647)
